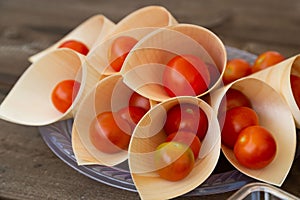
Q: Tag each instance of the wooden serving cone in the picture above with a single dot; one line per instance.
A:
(143, 69)
(149, 134)
(30, 103)
(146, 17)
(82, 155)
(109, 95)
(90, 32)
(101, 58)
(275, 116)
(135, 25)
(278, 77)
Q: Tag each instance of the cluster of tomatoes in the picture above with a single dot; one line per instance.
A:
(110, 132)
(254, 146)
(185, 127)
(185, 75)
(66, 91)
(186, 124)
(238, 67)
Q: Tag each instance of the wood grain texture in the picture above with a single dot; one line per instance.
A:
(28, 168)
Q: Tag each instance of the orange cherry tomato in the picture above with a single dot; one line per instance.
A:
(119, 50)
(236, 120)
(186, 117)
(110, 133)
(76, 46)
(267, 59)
(255, 147)
(186, 75)
(187, 138)
(295, 84)
(176, 158)
(64, 94)
(132, 115)
(139, 101)
(235, 69)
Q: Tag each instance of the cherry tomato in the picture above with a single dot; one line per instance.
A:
(255, 147)
(233, 98)
(236, 120)
(187, 138)
(139, 101)
(186, 117)
(64, 93)
(186, 75)
(76, 46)
(119, 50)
(267, 59)
(176, 158)
(235, 69)
(110, 133)
(295, 84)
(132, 115)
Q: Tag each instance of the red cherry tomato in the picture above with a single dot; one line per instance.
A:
(76, 46)
(187, 138)
(139, 101)
(119, 50)
(177, 159)
(267, 59)
(295, 84)
(64, 93)
(235, 69)
(233, 98)
(110, 133)
(255, 147)
(132, 115)
(236, 120)
(186, 117)
(186, 75)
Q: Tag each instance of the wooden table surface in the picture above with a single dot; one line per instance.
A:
(28, 168)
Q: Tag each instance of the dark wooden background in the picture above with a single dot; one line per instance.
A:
(28, 168)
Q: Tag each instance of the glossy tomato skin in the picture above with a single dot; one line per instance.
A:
(132, 115)
(188, 138)
(64, 94)
(138, 100)
(295, 85)
(236, 120)
(235, 69)
(186, 75)
(266, 59)
(186, 117)
(174, 161)
(110, 133)
(76, 46)
(255, 147)
(119, 50)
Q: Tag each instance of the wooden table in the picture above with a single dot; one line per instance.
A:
(28, 168)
